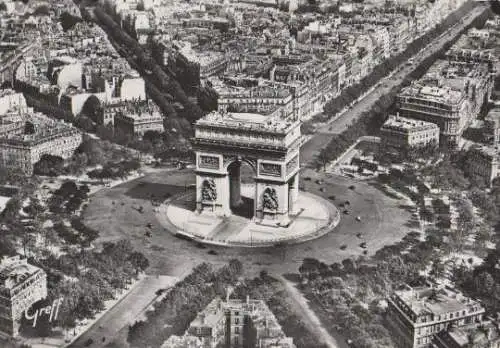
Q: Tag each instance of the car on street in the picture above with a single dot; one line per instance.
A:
(343, 247)
(346, 212)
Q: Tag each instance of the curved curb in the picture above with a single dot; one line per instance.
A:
(333, 221)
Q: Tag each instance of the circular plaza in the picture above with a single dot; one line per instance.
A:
(314, 217)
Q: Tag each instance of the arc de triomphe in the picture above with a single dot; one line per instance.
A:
(269, 145)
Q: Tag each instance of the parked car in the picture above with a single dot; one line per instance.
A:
(343, 247)
(363, 245)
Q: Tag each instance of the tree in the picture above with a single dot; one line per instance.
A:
(3, 7)
(49, 165)
(67, 189)
(85, 123)
(42, 10)
(68, 21)
(152, 136)
(43, 327)
(93, 149)
(78, 164)
(34, 208)
(437, 269)
(324, 158)
(309, 265)
(6, 247)
(139, 261)
(29, 128)
(92, 108)
(207, 99)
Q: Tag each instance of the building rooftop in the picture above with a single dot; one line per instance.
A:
(186, 341)
(44, 128)
(212, 314)
(436, 301)
(248, 121)
(255, 92)
(479, 334)
(407, 124)
(14, 271)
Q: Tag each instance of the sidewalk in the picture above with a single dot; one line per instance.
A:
(61, 341)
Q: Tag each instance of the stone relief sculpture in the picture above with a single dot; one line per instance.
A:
(209, 162)
(208, 190)
(270, 199)
(271, 169)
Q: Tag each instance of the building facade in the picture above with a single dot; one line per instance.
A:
(483, 162)
(139, 122)
(416, 315)
(51, 137)
(450, 95)
(233, 324)
(492, 126)
(405, 133)
(478, 335)
(21, 285)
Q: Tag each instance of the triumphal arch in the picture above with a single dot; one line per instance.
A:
(270, 145)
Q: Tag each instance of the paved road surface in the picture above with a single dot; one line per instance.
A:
(125, 312)
(310, 318)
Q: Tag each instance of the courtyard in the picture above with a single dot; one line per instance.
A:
(369, 220)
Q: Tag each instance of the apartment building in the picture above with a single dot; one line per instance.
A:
(21, 285)
(449, 95)
(478, 335)
(51, 137)
(400, 133)
(416, 315)
(483, 162)
(492, 126)
(136, 118)
(235, 324)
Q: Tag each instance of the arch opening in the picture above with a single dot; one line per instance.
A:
(241, 181)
